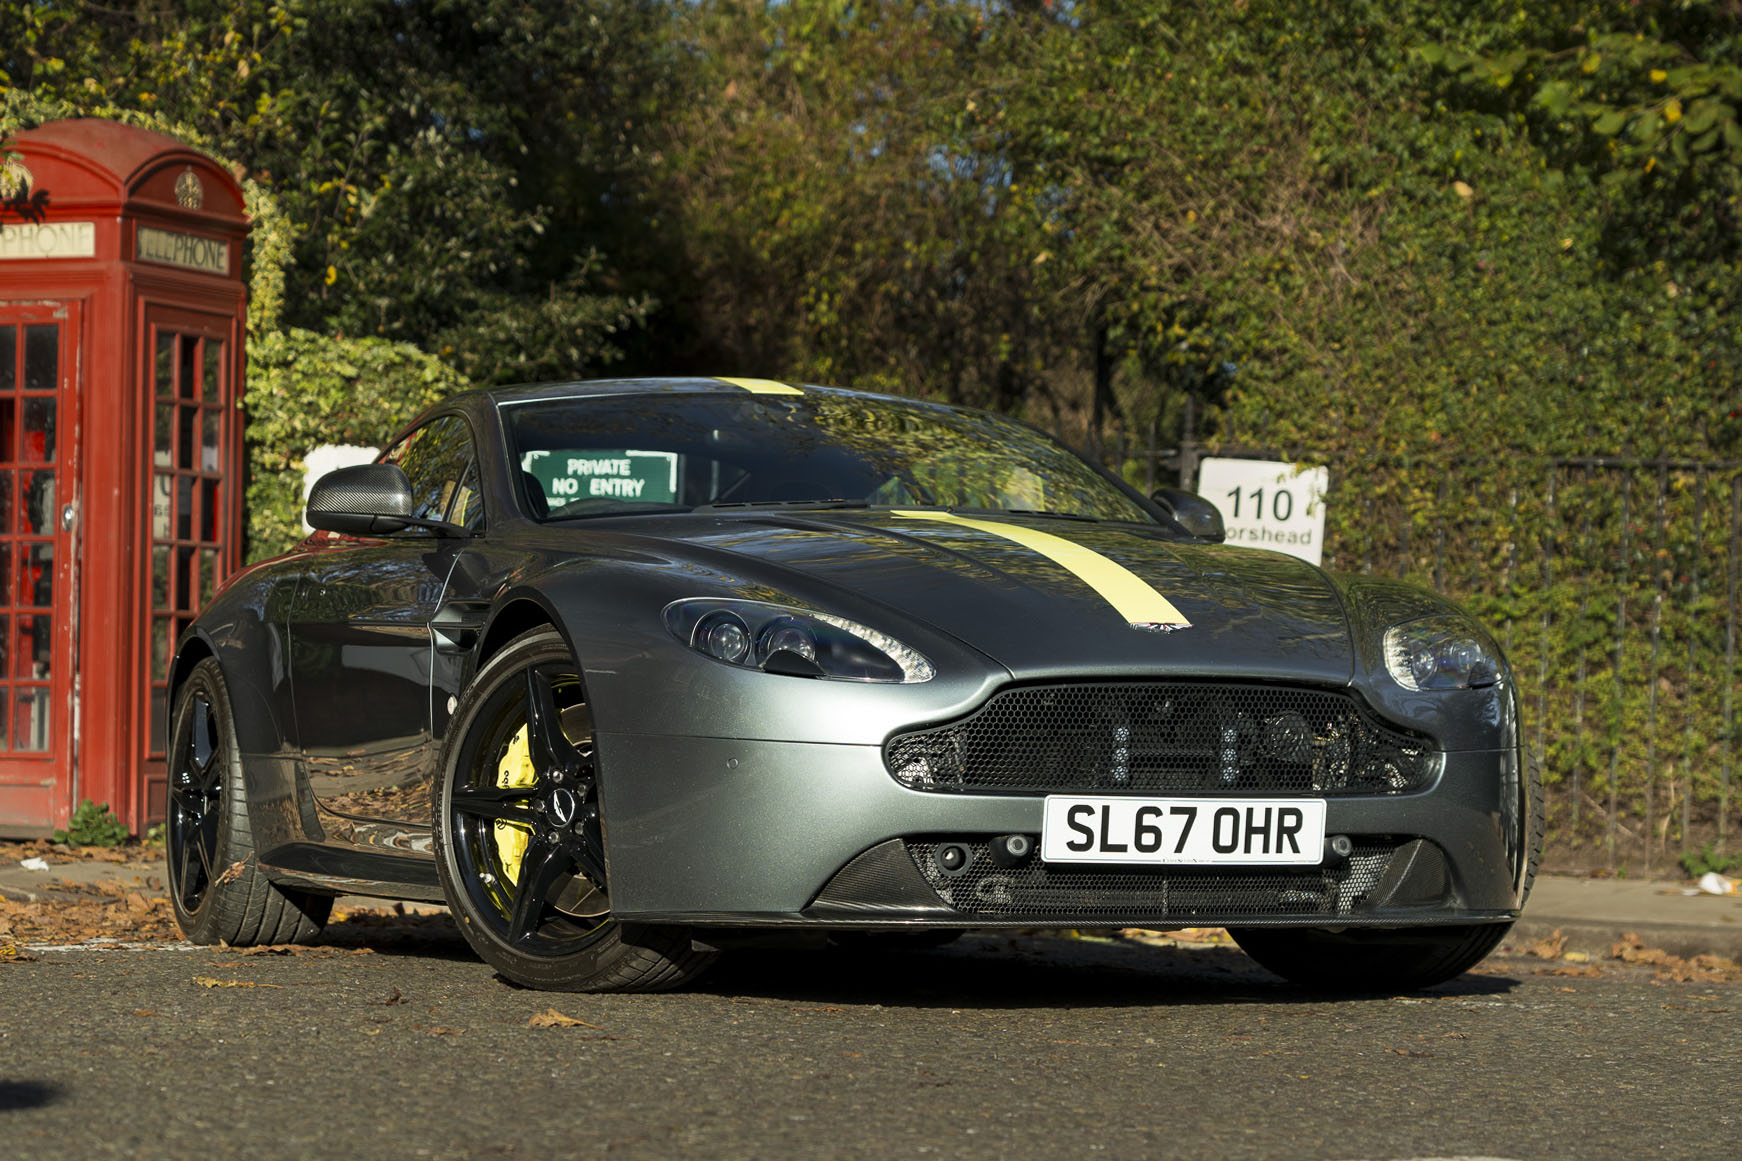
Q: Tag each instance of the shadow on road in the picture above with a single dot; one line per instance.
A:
(1028, 971)
(413, 934)
(16, 1095)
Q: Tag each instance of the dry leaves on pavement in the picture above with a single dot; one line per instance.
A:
(84, 911)
(1703, 969)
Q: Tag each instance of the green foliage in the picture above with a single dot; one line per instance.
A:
(455, 172)
(92, 825)
(1697, 863)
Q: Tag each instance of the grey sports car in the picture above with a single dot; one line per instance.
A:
(628, 672)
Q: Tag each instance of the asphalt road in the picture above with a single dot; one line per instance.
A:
(993, 1048)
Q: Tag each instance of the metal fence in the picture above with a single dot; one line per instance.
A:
(1612, 584)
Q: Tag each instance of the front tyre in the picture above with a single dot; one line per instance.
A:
(1371, 960)
(219, 892)
(519, 842)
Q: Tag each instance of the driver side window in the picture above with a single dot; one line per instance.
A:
(437, 458)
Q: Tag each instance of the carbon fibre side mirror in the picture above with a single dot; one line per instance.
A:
(365, 500)
(1192, 512)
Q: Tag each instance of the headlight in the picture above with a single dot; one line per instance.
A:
(797, 642)
(1440, 653)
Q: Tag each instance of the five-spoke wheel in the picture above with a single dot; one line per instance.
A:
(219, 892)
(519, 839)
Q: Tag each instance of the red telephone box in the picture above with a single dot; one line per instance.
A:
(121, 330)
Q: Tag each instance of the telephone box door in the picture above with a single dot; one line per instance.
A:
(39, 420)
(189, 362)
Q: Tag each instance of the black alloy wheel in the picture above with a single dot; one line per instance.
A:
(520, 841)
(218, 890)
(195, 806)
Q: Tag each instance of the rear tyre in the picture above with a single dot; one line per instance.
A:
(519, 842)
(1370, 959)
(219, 892)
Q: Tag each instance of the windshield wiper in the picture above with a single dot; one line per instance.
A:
(740, 505)
(1033, 512)
(624, 508)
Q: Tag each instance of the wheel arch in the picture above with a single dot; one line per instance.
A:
(521, 614)
(192, 651)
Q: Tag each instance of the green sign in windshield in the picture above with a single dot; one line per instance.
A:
(646, 476)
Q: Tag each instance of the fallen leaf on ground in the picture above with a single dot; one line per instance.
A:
(551, 1018)
(1549, 948)
(213, 982)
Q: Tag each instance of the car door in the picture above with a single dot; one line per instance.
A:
(361, 646)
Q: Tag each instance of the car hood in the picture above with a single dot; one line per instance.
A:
(1023, 591)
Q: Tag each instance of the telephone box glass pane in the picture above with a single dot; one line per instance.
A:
(160, 647)
(5, 643)
(8, 358)
(8, 425)
(214, 365)
(38, 430)
(163, 454)
(39, 514)
(159, 708)
(162, 497)
(39, 573)
(5, 501)
(186, 422)
(165, 379)
(208, 510)
(5, 583)
(184, 512)
(41, 358)
(184, 578)
(208, 574)
(189, 344)
(5, 717)
(31, 627)
(30, 723)
(160, 576)
(209, 441)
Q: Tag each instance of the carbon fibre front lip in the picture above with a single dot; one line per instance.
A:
(709, 830)
(958, 920)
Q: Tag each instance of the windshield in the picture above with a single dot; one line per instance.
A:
(646, 452)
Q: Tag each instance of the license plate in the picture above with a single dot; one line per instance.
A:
(1196, 831)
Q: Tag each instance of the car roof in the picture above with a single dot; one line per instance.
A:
(530, 392)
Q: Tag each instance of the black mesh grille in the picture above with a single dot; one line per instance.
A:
(1127, 895)
(1180, 737)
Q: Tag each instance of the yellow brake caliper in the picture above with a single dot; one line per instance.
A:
(514, 771)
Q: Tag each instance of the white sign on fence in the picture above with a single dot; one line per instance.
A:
(1269, 504)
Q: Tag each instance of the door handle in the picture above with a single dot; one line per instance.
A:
(68, 515)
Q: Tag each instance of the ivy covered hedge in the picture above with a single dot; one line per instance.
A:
(305, 390)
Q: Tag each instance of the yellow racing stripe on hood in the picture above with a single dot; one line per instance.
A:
(1127, 592)
(762, 386)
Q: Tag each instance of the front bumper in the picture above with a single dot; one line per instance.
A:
(727, 832)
